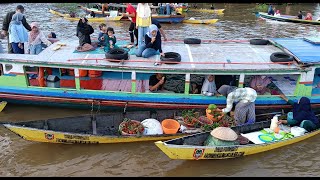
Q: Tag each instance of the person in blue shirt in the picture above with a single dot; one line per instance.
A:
(270, 10)
(152, 43)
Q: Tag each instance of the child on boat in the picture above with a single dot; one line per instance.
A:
(103, 31)
(260, 83)
(209, 86)
(36, 37)
(109, 40)
(152, 43)
(301, 115)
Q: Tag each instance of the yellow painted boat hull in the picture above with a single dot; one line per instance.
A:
(40, 135)
(2, 105)
(217, 11)
(100, 19)
(58, 13)
(204, 21)
(188, 152)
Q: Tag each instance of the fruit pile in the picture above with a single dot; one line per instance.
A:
(131, 127)
(214, 113)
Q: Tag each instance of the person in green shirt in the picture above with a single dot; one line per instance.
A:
(110, 40)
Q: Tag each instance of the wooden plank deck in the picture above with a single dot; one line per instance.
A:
(199, 57)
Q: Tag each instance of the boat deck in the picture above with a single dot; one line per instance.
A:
(219, 56)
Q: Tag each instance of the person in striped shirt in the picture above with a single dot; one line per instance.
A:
(245, 98)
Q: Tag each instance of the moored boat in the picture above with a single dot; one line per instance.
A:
(61, 76)
(2, 105)
(286, 18)
(200, 21)
(217, 11)
(192, 147)
(94, 128)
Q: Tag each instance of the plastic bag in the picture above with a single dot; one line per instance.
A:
(151, 127)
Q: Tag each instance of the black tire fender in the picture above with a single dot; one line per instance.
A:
(281, 57)
(259, 41)
(192, 41)
(117, 54)
(171, 58)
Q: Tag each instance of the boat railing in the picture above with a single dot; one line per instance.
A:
(174, 62)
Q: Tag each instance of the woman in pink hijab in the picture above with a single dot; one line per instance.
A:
(277, 13)
(36, 37)
(260, 83)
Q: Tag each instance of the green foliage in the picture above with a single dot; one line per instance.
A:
(261, 8)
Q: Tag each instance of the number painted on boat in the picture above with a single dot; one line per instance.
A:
(225, 149)
(68, 136)
(73, 141)
(223, 155)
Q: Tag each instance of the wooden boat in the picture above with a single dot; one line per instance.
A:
(98, 19)
(90, 129)
(192, 147)
(66, 78)
(160, 18)
(200, 21)
(2, 105)
(286, 18)
(217, 11)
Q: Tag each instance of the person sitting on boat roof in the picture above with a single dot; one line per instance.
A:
(157, 23)
(260, 83)
(209, 86)
(103, 31)
(300, 15)
(270, 10)
(83, 31)
(308, 17)
(143, 21)
(301, 115)
(36, 37)
(18, 34)
(152, 43)
(245, 98)
(110, 40)
(277, 13)
(156, 83)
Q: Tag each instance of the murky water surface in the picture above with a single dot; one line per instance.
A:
(19, 157)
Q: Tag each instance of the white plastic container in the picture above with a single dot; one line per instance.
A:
(274, 122)
(152, 127)
(297, 131)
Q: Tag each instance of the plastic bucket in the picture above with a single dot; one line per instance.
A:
(170, 126)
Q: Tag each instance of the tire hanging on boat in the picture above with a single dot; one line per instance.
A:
(259, 41)
(281, 57)
(192, 41)
(117, 54)
(171, 58)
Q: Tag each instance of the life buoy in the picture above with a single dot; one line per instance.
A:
(83, 73)
(281, 57)
(117, 54)
(171, 58)
(94, 73)
(192, 41)
(259, 41)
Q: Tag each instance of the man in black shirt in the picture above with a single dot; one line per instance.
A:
(6, 23)
(156, 82)
(300, 15)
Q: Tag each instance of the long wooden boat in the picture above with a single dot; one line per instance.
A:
(286, 18)
(217, 11)
(192, 147)
(2, 105)
(61, 76)
(91, 129)
(98, 19)
(200, 21)
(160, 18)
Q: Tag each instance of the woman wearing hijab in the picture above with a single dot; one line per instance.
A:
(260, 83)
(143, 21)
(277, 13)
(302, 115)
(18, 34)
(36, 37)
(209, 86)
(244, 97)
(83, 31)
(152, 43)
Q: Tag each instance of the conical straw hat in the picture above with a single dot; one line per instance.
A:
(224, 133)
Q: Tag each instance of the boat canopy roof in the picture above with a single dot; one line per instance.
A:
(219, 56)
(306, 50)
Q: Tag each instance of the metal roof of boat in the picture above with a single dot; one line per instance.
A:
(306, 50)
(220, 56)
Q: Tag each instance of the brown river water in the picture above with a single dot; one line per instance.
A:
(19, 157)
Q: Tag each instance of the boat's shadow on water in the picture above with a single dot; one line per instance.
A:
(299, 158)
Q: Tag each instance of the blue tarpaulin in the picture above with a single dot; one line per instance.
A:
(305, 51)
